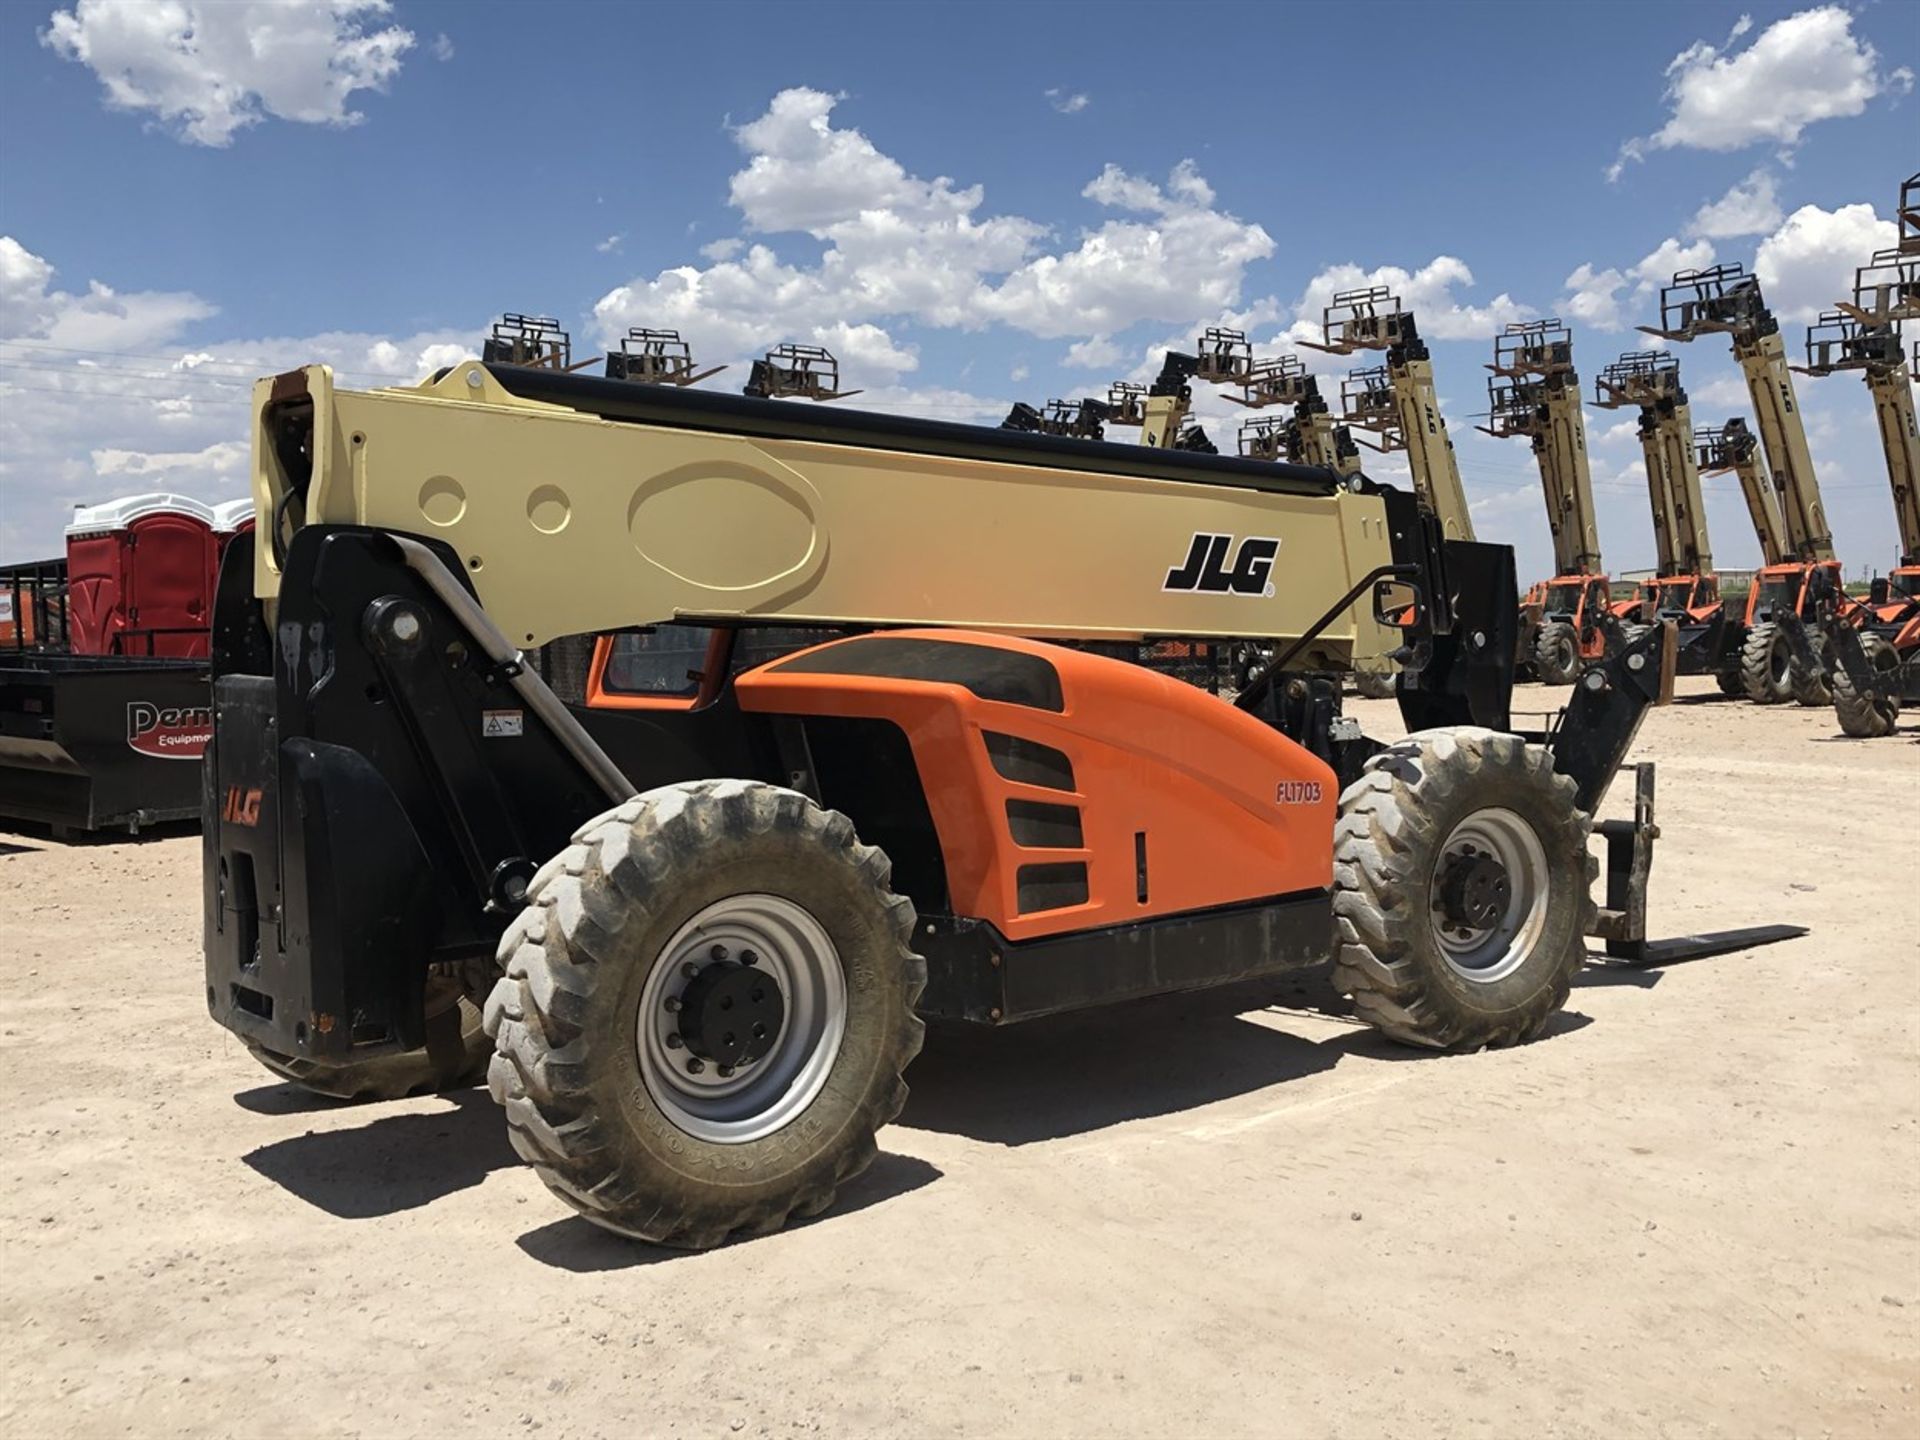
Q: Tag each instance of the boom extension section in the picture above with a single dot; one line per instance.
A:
(1734, 447)
(1726, 300)
(1649, 380)
(746, 511)
(1534, 392)
(1864, 335)
(1373, 319)
(1309, 436)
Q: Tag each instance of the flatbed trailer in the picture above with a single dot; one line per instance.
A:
(93, 743)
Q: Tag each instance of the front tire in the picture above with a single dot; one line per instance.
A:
(1462, 890)
(1556, 653)
(1811, 687)
(649, 1076)
(1766, 664)
(1376, 684)
(1868, 716)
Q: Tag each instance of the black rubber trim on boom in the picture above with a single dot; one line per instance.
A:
(1010, 677)
(679, 408)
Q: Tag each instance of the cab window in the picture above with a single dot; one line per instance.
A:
(664, 660)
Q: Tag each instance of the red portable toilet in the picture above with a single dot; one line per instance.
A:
(230, 518)
(140, 577)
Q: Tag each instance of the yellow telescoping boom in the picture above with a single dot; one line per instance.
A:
(1398, 404)
(1724, 299)
(1535, 392)
(1649, 380)
(1864, 335)
(1733, 446)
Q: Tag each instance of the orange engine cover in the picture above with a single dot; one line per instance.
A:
(1070, 791)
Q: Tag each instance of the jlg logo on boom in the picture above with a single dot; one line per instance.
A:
(1205, 571)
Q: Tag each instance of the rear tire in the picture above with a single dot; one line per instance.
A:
(1376, 684)
(1868, 717)
(1730, 682)
(1810, 687)
(674, 891)
(1409, 834)
(411, 1072)
(1556, 653)
(1766, 661)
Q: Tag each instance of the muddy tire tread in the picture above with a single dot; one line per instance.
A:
(538, 1008)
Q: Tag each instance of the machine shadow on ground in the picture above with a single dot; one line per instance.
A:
(22, 835)
(1068, 1075)
(395, 1162)
(583, 1247)
(1045, 1080)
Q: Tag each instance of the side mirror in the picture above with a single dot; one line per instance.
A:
(1398, 604)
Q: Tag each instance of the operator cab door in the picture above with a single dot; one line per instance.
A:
(678, 667)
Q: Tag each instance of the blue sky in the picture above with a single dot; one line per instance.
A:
(971, 204)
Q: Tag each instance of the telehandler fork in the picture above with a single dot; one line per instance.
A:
(704, 914)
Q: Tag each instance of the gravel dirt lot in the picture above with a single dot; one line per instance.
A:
(1692, 1210)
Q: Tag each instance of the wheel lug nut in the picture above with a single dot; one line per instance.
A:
(690, 970)
(674, 1042)
(718, 952)
(747, 957)
(726, 1072)
(694, 1067)
(673, 1004)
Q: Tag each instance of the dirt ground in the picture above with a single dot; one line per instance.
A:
(1694, 1210)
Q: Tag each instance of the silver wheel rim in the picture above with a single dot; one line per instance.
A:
(795, 953)
(1780, 662)
(1484, 955)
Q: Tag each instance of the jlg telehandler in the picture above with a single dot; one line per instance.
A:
(1684, 588)
(1872, 651)
(1534, 392)
(1725, 300)
(824, 785)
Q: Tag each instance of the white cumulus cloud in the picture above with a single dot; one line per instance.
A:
(207, 70)
(99, 396)
(1808, 263)
(1427, 291)
(1798, 71)
(897, 248)
(1593, 295)
(1749, 207)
